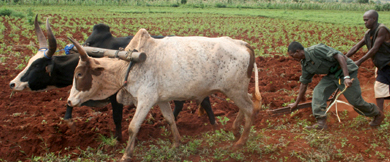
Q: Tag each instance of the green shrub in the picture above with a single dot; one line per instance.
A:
(30, 16)
(384, 7)
(362, 1)
(220, 5)
(5, 12)
(9, 12)
(17, 14)
(175, 5)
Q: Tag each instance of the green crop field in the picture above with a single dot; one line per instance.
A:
(269, 31)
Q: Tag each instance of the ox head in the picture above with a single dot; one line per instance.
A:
(100, 37)
(85, 75)
(97, 79)
(36, 75)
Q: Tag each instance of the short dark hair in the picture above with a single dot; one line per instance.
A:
(373, 14)
(294, 46)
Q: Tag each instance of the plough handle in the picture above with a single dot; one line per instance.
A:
(287, 110)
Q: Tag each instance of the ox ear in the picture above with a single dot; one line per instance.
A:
(139, 40)
(49, 69)
(98, 68)
(95, 65)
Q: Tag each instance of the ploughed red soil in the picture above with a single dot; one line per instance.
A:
(31, 122)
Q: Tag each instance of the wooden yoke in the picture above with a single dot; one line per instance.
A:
(124, 55)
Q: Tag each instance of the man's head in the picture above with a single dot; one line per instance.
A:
(370, 19)
(296, 50)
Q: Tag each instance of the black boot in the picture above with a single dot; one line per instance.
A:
(321, 124)
(377, 119)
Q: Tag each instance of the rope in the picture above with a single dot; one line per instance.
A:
(44, 49)
(67, 49)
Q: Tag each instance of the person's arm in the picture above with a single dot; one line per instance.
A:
(378, 42)
(302, 91)
(355, 48)
(343, 64)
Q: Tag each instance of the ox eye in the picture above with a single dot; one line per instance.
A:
(78, 74)
(87, 44)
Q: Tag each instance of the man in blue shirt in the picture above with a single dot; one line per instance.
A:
(321, 59)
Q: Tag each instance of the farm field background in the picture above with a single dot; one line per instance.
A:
(32, 128)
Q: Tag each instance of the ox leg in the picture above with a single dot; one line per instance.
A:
(206, 105)
(139, 116)
(178, 108)
(245, 104)
(167, 113)
(68, 117)
(236, 125)
(68, 113)
(117, 111)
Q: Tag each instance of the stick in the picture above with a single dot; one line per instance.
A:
(12, 93)
(336, 104)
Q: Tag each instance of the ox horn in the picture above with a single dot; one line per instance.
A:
(52, 40)
(41, 37)
(83, 54)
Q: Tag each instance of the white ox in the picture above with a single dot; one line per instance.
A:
(176, 68)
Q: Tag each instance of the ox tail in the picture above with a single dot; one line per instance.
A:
(256, 98)
(251, 60)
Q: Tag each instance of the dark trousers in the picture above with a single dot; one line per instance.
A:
(353, 94)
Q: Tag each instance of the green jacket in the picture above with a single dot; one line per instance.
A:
(319, 60)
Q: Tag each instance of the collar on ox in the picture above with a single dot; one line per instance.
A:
(67, 49)
(128, 68)
(44, 50)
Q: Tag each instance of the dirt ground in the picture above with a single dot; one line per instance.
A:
(31, 122)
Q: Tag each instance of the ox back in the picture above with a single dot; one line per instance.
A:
(101, 37)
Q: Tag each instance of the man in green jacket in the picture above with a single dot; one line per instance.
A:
(321, 59)
(377, 40)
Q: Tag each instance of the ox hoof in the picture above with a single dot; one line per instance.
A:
(71, 125)
(237, 146)
(175, 144)
(118, 137)
(201, 111)
(215, 127)
(127, 159)
(237, 136)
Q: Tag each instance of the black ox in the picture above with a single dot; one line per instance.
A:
(45, 71)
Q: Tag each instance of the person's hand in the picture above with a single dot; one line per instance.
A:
(357, 63)
(348, 82)
(293, 106)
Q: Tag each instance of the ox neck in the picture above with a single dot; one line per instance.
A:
(115, 69)
(63, 70)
